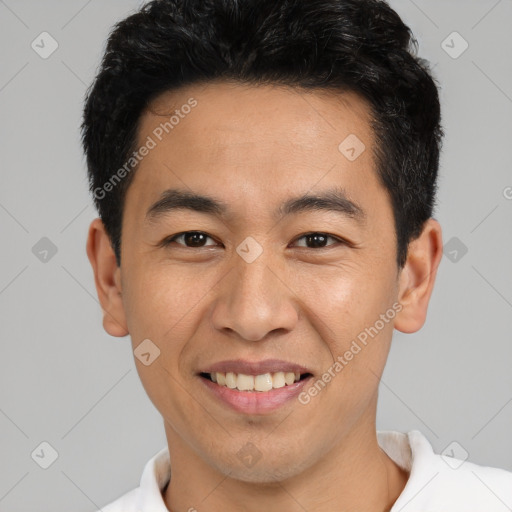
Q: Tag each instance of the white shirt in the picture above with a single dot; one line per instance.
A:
(437, 483)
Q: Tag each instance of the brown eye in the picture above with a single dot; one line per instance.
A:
(192, 239)
(317, 240)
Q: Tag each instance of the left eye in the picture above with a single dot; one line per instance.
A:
(318, 240)
(194, 238)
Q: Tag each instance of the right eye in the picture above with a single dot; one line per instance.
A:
(189, 239)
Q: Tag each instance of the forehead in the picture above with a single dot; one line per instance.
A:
(234, 112)
(251, 144)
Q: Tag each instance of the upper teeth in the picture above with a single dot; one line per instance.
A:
(264, 382)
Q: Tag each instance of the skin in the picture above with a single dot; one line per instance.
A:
(254, 147)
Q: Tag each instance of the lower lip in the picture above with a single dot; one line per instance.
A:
(256, 402)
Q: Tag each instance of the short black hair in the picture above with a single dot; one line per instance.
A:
(357, 45)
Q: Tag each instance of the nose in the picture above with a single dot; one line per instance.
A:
(255, 300)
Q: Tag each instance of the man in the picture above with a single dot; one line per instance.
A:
(265, 174)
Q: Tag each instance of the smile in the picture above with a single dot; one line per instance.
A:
(255, 387)
(258, 383)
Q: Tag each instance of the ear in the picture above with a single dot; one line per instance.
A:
(416, 280)
(107, 277)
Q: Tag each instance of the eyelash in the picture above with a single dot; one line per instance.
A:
(167, 241)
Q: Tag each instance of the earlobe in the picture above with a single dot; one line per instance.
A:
(417, 278)
(107, 279)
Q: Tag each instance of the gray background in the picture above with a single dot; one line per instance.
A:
(63, 380)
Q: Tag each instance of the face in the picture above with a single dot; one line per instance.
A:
(267, 290)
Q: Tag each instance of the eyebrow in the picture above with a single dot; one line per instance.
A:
(331, 200)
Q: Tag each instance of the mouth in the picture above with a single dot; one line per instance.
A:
(257, 383)
(255, 387)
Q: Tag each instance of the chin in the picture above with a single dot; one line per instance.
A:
(262, 471)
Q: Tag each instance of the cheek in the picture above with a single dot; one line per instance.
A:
(356, 315)
(358, 340)
(162, 302)
(351, 296)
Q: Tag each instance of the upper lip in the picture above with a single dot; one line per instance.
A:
(255, 367)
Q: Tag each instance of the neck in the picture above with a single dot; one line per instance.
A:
(356, 475)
